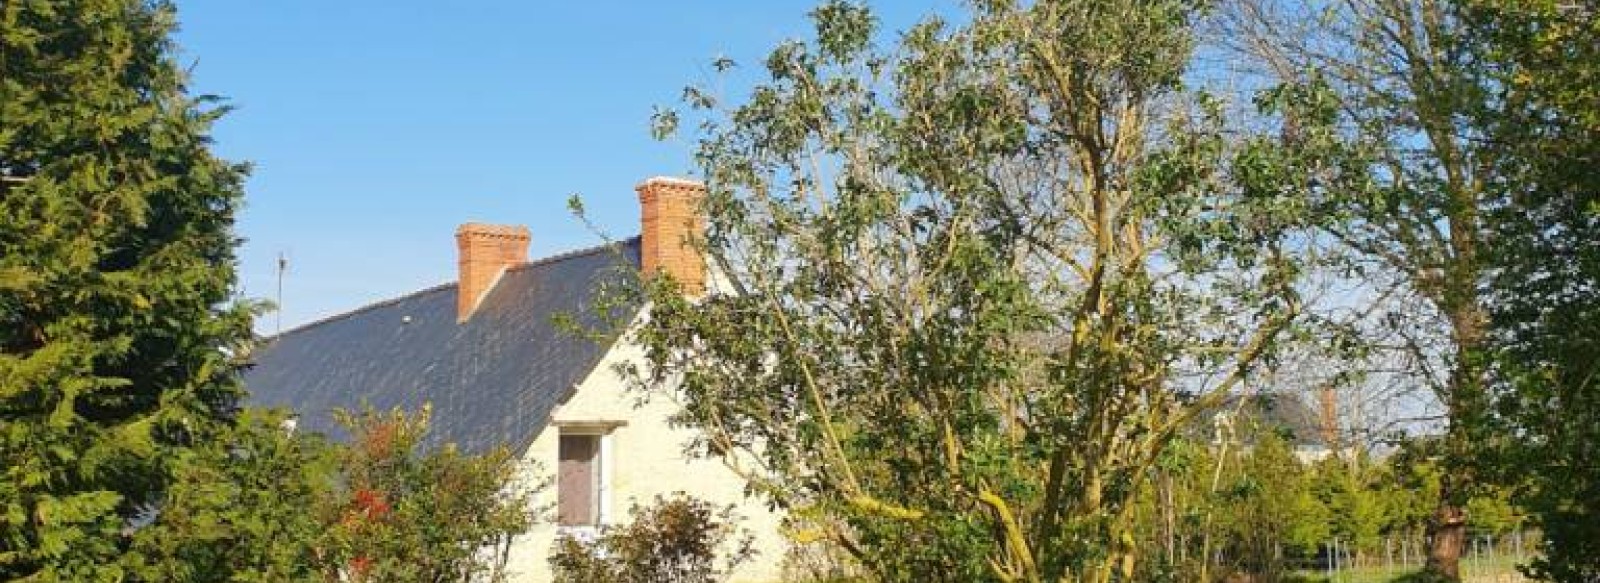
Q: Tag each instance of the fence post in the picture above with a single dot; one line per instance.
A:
(1405, 551)
(1329, 561)
(1388, 554)
(1477, 555)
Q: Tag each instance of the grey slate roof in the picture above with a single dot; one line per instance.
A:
(1282, 412)
(493, 379)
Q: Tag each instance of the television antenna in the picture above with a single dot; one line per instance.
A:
(283, 267)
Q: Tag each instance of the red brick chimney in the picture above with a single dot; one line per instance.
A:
(669, 217)
(485, 252)
(1328, 402)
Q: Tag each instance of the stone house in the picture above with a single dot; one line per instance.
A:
(489, 355)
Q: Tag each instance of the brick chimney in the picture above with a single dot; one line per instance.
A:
(1328, 409)
(485, 252)
(669, 217)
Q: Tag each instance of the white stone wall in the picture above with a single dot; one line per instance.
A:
(640, 458)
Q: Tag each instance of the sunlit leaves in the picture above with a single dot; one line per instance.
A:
(961, 317)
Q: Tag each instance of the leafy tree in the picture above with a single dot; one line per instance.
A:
(1312, 521)
(1282, 513)
(246, 509)
(268, 504)
(979, 287)
(1266, 511)
(676, 539)
(1375, 101)
(1171, 507)
(1353, 500)
(1494, 513)
(1541, 58)
(118, 334)
(403, 514)
(1410, 483)
(1259, 505)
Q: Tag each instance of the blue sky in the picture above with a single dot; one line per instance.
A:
(376, 127)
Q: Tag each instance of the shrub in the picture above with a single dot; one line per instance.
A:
(676, 539)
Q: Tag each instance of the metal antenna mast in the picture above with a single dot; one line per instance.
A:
(283, 266)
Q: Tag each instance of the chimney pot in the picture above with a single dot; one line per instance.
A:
(484, 252)
(670, 218)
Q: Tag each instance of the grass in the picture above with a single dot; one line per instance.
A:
(1499, 569)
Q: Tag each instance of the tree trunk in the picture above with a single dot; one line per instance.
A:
(1447, 534)
(1447, 530)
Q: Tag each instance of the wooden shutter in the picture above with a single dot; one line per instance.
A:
(578, 480)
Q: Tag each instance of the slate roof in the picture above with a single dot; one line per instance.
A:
(1285, 412)
(493, 379)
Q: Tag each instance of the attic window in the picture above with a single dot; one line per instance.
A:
(578, 482)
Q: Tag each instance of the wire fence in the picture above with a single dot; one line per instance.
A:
(1486, 558)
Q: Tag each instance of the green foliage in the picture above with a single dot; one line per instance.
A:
(1255, 509)
(1354, 505)
(1267, 511)
(117, 327)
(982, 280)
(245, 509)
(676, 539)
(1288, 506)
(404, 514)
(1389, 110)
(1542, 57)
(1253, 502)
(266, 504)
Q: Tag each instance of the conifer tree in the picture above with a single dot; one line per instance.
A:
(118, 337)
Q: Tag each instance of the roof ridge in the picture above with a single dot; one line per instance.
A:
(361, 309)
(572, 254)
(563, 256)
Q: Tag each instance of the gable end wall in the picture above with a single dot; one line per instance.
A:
(640, 460)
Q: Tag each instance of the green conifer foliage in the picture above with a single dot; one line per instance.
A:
(118, 339)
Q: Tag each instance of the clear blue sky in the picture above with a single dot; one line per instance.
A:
(376, 127)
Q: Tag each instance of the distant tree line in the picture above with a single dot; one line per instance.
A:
(1263, 509)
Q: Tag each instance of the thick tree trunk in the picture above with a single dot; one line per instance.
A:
(1447, 529)
(1447, 535)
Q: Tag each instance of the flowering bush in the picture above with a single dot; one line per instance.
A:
(409, 514)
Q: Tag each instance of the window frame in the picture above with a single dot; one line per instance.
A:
(600, 468)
